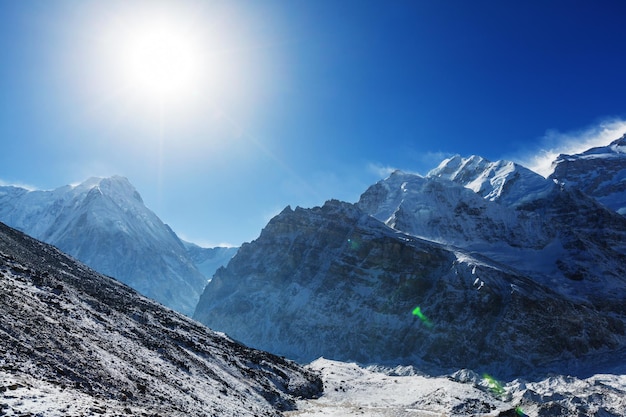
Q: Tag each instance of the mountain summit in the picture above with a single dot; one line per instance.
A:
(104, 223)
(508, 183)
(599, 172)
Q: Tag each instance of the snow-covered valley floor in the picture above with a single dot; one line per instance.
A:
(350, 390)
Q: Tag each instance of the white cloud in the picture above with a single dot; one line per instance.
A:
(382, 171)
(555, 143)
(28, 187)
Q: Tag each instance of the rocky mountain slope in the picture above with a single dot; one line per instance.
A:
(509, 270)
(335, 282)
(104, 223)
(75, 342)
(557, 235)
(598, 172)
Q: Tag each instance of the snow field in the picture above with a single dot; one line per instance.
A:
(350, 390)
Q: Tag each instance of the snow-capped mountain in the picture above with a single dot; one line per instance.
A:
(509, 270)
(506, 182)
(447, 212)
(104, 223)
(75, 342)
(335, 282)
(556, 235)
(599, 172)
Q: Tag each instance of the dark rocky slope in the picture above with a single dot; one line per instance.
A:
(66, 326)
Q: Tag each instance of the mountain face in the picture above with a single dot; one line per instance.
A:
(557, 235)
(81, 343)
(335, 282)
(509, 270)
(598, 172)
(554, 233)
(104, 223)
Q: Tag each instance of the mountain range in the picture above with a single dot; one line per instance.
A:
(479, 264)
(104, 223)
(422, 270)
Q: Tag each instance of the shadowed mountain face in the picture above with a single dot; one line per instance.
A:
(87, 337)
(335, 282)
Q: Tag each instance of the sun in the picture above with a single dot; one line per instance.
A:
(168, 65)
(152, 53)
(161, 60)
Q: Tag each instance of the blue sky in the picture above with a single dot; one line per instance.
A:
(296, 102)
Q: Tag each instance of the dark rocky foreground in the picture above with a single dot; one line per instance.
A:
(67, 327)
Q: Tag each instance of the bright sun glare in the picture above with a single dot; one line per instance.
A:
(167, 62)
(161, 60)
(153, 53)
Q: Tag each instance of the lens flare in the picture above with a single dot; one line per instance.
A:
(520, 412)
(417, 311)
(354, 245)
(495, 386)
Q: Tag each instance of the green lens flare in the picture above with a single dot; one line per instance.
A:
(494, 385)
(417, 311)
(354, 245)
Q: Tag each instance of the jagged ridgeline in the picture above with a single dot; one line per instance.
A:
(68, 332)
(510, 271)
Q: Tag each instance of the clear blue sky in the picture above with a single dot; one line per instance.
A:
(296, 102)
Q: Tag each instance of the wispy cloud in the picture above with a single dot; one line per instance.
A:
(382, 171)
(555, 143)
(431, 160)
(421, 164)
(28, 187)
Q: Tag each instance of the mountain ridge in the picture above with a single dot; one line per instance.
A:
(599, 172)
(105, 223)
(339, 284)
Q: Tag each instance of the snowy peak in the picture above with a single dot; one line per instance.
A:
(104, 223)
(503, 181)
(445, 211)
(116, 187)
(616, 149)
(599, 172)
